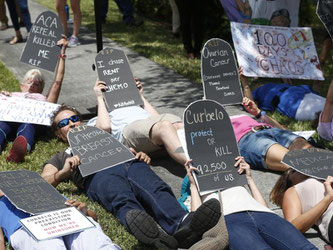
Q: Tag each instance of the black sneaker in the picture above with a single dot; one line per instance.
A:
(146, 230)
(196, 223)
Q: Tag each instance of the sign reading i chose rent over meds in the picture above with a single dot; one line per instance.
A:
(113, 68)
(97, 149)
(211, 144)
(41, 49)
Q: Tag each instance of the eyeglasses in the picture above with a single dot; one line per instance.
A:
(65, 122)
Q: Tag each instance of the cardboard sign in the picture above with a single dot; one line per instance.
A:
(325, 14)
(211, 144)
(29, 192)
(314, 162)
(219, 73)
(41, 49)
(262, 12)
(113, 68)
(277, 52)
(97, 149)
(57, 223)
(24, 110)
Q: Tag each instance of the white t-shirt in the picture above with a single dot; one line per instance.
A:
(121, 117)
(237, 199)
(309, 107)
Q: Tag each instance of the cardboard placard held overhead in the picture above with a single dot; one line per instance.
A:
(113, 68)
(97, 149)
(314, 162)
(219, 73)
(325, 14)
(41, 49)
(29, 192)
(211, 144)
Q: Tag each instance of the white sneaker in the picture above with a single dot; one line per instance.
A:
(73, 41)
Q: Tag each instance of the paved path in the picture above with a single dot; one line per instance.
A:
(166, 90)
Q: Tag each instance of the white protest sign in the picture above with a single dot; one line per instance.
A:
(276, 52)
(16, 109)
(57, 223)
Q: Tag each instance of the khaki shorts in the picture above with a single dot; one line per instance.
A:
(137, 133)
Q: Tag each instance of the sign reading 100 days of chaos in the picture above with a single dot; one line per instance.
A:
(41, 49)
(29, 192)
(325, 14)
(219, 72)
(97, 149)
(113, 68)
(16, 109)
(277, 52)
(212, 146)
(314, 162)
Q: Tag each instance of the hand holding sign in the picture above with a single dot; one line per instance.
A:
(96, 150)
(41, 49)
(113, 68)
(212, 146)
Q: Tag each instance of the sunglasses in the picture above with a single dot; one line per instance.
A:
(65, 122)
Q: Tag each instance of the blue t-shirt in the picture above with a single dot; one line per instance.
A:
(9, 217)
(283, 97)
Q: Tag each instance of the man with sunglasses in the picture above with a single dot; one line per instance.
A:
(132, 192)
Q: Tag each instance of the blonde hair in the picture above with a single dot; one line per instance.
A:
(35, 75)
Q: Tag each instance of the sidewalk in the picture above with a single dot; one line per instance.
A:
(166, 90)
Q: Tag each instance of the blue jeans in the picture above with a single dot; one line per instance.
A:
(263, 230)
(254, 146)
(134, 185)
(126, 8)
(25, 14)
(27, 130)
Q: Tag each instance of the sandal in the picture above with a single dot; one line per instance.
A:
(15, 40)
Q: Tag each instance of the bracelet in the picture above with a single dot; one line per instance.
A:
(258, 115)
(63, 56)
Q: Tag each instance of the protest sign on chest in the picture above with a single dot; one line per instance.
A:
(314, 162)
(56, 223)
(113, 68)
(211, 144)
(25, 110)
(219, 73)
(325, 14)
(276, 52)
(41, 49)
(97, 149)
(29, 192)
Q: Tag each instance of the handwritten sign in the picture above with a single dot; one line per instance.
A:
(29, 192)
(211, 144)
(219, 72)
(15, 109)
(325, 14)
(113, 68)
(314, 162)
(57, 223)
(41, 49)
(277, 52)
(97, 149)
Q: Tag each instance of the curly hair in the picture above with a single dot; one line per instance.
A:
(63, 107)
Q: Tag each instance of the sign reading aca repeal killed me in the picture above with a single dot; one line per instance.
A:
(97, 149)
(314, 162)
(25, 110)
(41, 49)
(56, 224)
(29, 192)
(277, 52)
(325, 14)
(219, 73)
(211, 144)
(113, 68)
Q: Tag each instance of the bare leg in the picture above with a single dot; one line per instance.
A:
(60, 5)
(299, 143)
(327, 114)
(165, 133)
(75, 5)
(274, 156)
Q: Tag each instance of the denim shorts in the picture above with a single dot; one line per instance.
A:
(254, 146)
